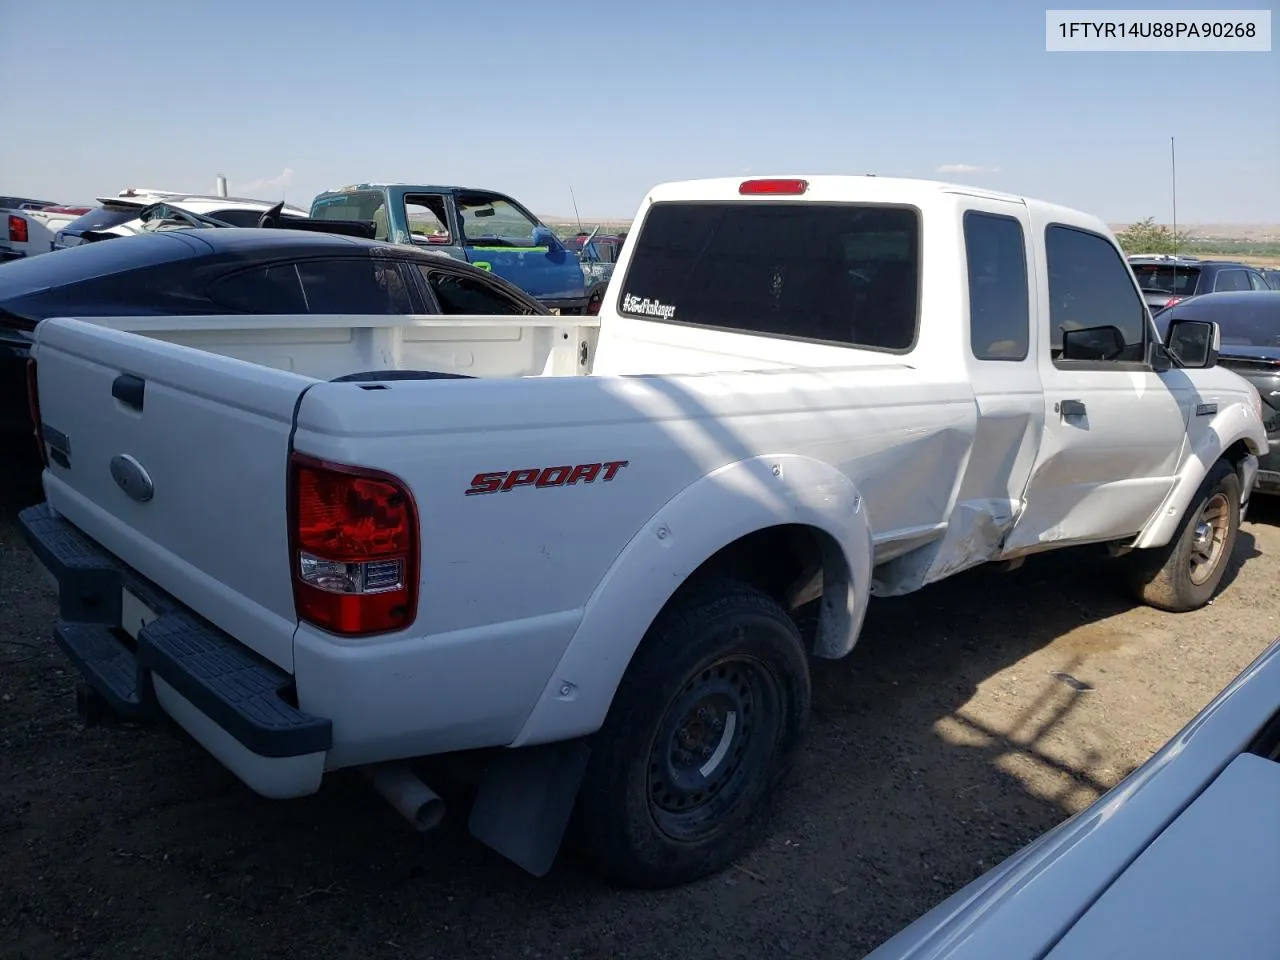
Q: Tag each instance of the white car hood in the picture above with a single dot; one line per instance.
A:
(1206, 887)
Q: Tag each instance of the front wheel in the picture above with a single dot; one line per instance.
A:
(1184, 574)
(705, 726)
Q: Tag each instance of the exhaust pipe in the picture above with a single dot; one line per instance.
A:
(405, 791)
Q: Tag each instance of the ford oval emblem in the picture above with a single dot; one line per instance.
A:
(131, 477)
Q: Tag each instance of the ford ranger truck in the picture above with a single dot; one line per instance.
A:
(482, 227)
(582, 548)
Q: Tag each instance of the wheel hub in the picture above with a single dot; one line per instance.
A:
(1209, 538)
(706, 742)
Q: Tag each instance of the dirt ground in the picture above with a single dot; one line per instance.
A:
(943, 744)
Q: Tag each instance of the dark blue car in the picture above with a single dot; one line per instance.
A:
(232, 271)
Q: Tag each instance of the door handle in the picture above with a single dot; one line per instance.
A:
(129, 390)
(1072, 408)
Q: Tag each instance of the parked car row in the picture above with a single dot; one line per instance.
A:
(141, 211)
(1166, 279)
(230, 272)
(483, 227)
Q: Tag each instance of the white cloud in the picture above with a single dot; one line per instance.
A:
(265, 185)
(965, 168)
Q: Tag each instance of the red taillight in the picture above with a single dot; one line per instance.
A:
(17, 229)
(354, 548)
(1170, 302)
(773, 187)
(593, 306)
(33, 407)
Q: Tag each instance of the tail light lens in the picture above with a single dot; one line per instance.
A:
(593, 306)
(17, 229)
(354, 548)
(1170, 302)
(33, 407)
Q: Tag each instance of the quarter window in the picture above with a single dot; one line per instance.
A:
(999, 302)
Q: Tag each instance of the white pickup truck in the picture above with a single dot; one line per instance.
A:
(579, 546)
(27, 232)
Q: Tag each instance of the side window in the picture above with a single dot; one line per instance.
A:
(467, 295)
(371, 285)
(1095, 312)
(1256, 281)
(999, 303)
(492, 221)
(1231, 280)
(428, 219)
(274, 289)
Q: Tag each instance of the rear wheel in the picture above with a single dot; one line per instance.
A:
(1185, 574)
(705, 726)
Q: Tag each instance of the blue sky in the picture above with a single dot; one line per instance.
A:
(531, 98)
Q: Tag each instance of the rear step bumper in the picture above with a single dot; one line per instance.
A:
(175, 662)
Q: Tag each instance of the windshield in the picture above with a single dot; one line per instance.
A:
(1179, 281)
(487, 220)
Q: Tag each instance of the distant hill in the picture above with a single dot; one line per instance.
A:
(1237, 232)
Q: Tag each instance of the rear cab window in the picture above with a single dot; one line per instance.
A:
(102, 218)
(1161, 278)
(845, 274)
(354, 205)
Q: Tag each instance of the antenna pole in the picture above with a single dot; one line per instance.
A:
(1173, 169)
(576, 215)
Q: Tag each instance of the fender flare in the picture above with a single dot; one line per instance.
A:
(718, 509)
(1225, 431)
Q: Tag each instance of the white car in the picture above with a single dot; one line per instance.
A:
(580, 543)
(1180, 861)
(135, 211)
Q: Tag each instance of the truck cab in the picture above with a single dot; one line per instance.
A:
(482, 227)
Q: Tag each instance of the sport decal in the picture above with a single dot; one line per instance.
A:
(503, 481)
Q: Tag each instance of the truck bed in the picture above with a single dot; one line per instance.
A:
(324, 347)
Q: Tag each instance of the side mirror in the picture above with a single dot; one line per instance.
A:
(1158, 358)
(1092, 343)
(544, 237)
(1194, 344)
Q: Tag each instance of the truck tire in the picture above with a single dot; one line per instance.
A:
(705, 726)
(1184, 574)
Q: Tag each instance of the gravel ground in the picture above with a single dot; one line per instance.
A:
(942, 745)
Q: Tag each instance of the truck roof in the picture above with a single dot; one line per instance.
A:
(861, 187)
(414, 187)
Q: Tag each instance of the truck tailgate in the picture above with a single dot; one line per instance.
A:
(175, 460)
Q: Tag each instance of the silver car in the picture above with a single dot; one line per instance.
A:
(1179, 860)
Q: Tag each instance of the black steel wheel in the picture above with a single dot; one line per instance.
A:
(705, 725)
